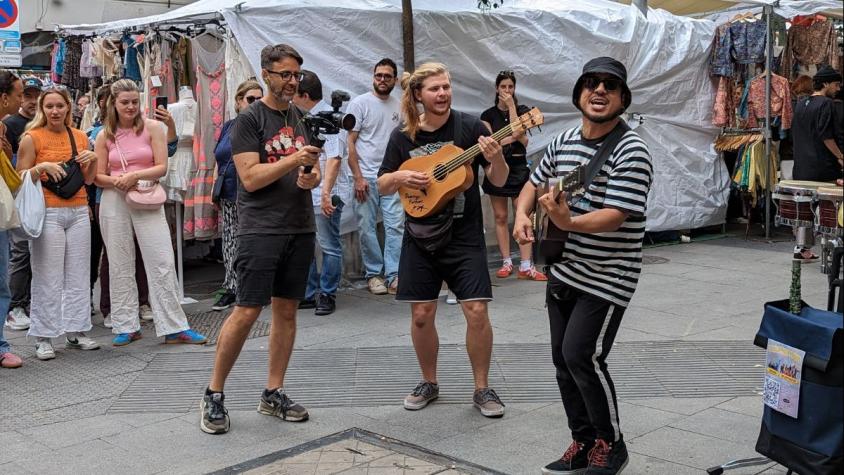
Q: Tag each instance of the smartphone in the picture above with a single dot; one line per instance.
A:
(160, 101)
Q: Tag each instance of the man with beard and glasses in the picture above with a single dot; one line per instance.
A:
(276, 235)
(591, 286)
(377, 114)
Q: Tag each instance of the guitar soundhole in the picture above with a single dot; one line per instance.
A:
(440, 172)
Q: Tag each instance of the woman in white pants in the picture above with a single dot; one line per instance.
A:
(131, 148)
(61, 256)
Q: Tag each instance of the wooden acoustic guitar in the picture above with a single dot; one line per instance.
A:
(549, 240)
(450, 170)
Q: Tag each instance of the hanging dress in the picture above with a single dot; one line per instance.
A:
(209, 64)
(181, 166)
(238, 70)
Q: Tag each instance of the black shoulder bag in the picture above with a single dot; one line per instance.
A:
(434, 232)
(73, 180)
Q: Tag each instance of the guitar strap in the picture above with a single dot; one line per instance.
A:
(604, 151)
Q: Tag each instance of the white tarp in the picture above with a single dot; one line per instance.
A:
(546, 43)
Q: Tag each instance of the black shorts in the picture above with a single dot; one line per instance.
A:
(272, 265)
(422, 273)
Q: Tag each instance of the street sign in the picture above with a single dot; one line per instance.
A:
(10, 34)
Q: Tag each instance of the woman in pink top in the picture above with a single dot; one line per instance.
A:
(142, 145)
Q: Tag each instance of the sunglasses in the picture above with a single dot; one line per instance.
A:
(506, 72)
(251, 99)
(287, 75)
(383, 77)
(610, 84)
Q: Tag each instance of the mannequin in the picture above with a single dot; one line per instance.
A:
(180, 167)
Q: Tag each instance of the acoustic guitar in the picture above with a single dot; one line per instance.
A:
(450, 170)
(549, 240)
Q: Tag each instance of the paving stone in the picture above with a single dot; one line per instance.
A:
(750, 406)
(64, 434)
(686, 406)
(689, 448)
(723, 425)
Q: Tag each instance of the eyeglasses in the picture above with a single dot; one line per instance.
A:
(383, 77)
(287, 75)
(251, 99)
(506, 72)
(610, 84)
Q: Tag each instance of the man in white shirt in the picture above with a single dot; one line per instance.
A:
(377, 114)
(329, 198)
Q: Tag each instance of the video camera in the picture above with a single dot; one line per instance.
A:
(329, 122)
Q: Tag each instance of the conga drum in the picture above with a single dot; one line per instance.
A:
(829, 211)
(794, 200)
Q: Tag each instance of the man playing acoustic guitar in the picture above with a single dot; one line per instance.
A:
(591, 285)
(449, 245)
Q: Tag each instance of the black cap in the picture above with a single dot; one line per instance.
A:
(827, 74)
(605, 65)
(32, 83)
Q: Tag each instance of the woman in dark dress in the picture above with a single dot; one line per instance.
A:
(507, 109)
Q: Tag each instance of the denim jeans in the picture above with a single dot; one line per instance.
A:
(5, 295)
(328, 236)
(393, 215)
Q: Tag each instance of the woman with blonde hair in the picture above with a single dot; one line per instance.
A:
(60, 256)
(132, 152)
(247, 93)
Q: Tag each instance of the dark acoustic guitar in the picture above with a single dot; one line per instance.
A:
(548, 239)
(450, 170)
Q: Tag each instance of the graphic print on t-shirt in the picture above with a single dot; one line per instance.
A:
(283, 143)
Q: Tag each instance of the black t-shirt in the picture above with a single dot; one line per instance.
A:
(280, 207)
(467, 228)
(813, 123)
(515, 152)
(15, 125)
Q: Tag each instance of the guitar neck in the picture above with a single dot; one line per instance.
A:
(470, 153)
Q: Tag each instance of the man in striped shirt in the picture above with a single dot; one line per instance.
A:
(591, 285)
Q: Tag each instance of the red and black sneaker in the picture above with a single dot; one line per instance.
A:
(574, 460)
(607, 458)
(804, 255)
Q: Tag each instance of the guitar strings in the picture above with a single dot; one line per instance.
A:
(466, 155)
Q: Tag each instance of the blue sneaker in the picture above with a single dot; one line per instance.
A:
(186, 336)
(124, 339)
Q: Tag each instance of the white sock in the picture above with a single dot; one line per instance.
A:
(524, 265)
(507, 261)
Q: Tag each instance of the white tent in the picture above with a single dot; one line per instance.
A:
(546, 42)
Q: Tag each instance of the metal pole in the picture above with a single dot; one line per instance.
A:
(642, 5)
(768, 53)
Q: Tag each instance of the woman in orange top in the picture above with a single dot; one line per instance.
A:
(60, 257)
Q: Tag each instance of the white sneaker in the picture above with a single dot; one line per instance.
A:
(376, 286)
(44, 350)
(17, 319)
(451, 299)
(107, 321)
(145, 313)
(81, 342)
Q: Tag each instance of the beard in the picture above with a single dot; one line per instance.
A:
(602, 119)
(383, 90)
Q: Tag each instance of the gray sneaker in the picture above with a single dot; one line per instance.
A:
(214, 418)
(422, 394)
(488, 402)
(278, 404)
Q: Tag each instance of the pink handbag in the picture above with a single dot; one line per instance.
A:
(147, 194)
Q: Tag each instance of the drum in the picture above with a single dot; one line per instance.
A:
(794, 200)
(829, 211)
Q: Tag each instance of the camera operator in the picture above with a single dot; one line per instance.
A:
(328, 200)
(276, 235)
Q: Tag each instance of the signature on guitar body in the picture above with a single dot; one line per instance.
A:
(450, 169)
(548, 240)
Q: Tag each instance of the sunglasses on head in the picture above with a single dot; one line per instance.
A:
(610, 84)
(251, 99)
(506, 73)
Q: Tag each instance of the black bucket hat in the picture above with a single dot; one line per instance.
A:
(827, 74)
(604, 65)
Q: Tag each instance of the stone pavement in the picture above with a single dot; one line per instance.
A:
(686, 375)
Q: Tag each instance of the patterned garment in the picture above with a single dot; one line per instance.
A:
(87, 67)
(157, 61)
(808, 45)
(209, 64)
(180, 57)
(724, 110)
(230, 227)
(72, 59)
(721, 64)
(748, 42)
(780, 100)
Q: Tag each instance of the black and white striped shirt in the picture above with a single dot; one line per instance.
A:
(606, 265)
